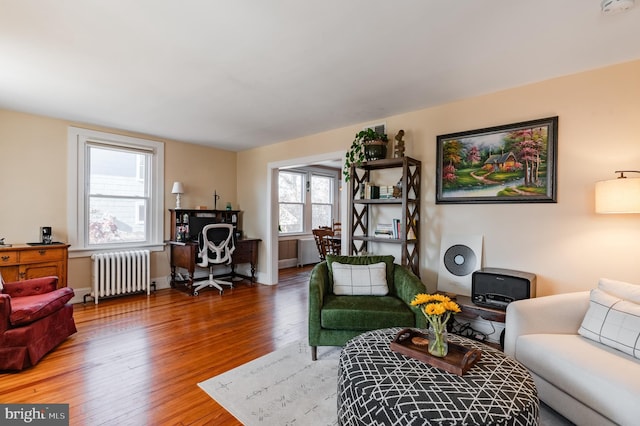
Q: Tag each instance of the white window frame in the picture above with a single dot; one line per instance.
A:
(307, 205)
(77, 183)
(334, 197)
(303, 203)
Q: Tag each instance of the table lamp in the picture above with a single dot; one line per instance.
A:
(621, 195)
(177, 189)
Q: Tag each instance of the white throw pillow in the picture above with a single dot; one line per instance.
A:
(613, 322)
(1, 282)
(626, 291)
(359, 280)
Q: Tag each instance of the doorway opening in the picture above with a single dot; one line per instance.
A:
(332, 159)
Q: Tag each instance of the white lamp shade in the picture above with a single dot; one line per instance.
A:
(177, 188)
(618, 196)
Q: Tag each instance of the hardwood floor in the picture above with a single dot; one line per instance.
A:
(137, 360)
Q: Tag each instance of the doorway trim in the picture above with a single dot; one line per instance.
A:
(273, 168)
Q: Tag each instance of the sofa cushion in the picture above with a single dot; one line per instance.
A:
(356, 280)
(598, 376)
(613, 322)
(362, 260)
(365, 313)
(27, 309)
(620, 289)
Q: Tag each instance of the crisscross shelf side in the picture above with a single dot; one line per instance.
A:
(361, 210)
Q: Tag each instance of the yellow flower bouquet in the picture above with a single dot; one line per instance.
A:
(437, 308)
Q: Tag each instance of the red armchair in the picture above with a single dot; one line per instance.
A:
(34, 319)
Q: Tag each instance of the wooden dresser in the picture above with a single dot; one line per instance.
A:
(22, 262)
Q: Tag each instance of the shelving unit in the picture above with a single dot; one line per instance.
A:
(361, 211)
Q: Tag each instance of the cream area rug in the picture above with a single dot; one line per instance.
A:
(286, 388)
(281, 388)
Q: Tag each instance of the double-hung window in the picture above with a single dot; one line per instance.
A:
(115, 191)
(306, 199)
(291, 196)
(322, 196)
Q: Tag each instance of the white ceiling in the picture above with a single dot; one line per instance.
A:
(237, 74)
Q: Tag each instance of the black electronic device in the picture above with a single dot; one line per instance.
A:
(497, 287)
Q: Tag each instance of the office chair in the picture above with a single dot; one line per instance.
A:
(215, 244)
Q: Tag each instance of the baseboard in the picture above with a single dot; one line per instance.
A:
(287, 263)
(161, 283)
(79, 294)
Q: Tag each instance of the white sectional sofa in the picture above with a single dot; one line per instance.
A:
(589, 383)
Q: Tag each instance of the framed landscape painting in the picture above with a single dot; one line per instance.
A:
(515, 163)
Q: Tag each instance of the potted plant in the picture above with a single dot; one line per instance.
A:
(367, 145)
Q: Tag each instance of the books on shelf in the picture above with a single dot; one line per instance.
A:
(386, 192)
(369, 191)
(388, 230)
(396, 228)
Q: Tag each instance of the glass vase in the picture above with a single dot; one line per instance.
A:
(438, 345)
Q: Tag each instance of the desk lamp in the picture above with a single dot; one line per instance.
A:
(621, 195)
(177, 189)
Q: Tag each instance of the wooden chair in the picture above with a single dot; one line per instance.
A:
(337, 228)
(324, 244)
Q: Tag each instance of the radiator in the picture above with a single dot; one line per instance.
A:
(307, 252)
(120, 273)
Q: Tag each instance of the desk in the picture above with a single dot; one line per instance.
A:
(183, 255)
(379, 386)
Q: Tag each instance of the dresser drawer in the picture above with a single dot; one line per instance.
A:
(8, 257)
(41, 255)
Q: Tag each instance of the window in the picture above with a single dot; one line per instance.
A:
(291, 199)
(115, 192)
(321, 201)
(307, 199)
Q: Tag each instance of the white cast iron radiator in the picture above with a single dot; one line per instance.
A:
(120, 273)
(307, 252)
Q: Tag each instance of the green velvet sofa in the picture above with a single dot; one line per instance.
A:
(335, 319)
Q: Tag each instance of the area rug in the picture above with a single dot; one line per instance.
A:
(286, 388)
(281, 388)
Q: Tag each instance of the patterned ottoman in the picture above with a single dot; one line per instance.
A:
(377, 386)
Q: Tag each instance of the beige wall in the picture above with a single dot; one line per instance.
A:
(566, 244)
(33, 182)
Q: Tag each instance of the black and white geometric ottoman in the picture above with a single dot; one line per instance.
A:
(377, 386)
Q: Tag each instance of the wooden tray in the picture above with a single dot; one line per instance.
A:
(458, 360)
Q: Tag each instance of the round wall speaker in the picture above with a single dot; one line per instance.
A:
(460, 257)
(460, 260)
